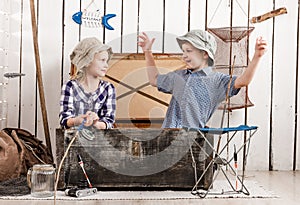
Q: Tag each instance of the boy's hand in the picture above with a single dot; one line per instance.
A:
(146, 43)
(260, 47)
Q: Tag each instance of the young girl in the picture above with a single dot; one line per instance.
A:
(198, 90)
(85, 96)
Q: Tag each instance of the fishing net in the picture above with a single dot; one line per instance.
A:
(19, 150)
(232, 46)
(231, 34)
(14, 187)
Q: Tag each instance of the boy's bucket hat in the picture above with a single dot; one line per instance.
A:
(201, 40)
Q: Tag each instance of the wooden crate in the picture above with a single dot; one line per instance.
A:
(135, 159)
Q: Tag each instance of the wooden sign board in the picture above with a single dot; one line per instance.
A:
(136, 99)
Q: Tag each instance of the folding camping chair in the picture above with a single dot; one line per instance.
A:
(219, 163)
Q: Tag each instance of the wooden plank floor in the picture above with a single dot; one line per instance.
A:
(285, 184)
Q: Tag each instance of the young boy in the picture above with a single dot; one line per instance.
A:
(85, 96)
(198, 90)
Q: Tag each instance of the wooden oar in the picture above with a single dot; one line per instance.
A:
(39, 77)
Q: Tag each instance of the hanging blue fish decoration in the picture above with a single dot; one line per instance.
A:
(93, 19)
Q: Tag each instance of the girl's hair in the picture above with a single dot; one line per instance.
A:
(76, 74)
(80, 74)
(83, 54)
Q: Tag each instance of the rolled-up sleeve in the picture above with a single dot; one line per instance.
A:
(233, 91)
(165, 82)
(223, 86)
(66, 104)
(108, 111)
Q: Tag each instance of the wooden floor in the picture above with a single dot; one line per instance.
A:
(285, 184)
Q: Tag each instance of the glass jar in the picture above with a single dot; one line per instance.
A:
(41, 179)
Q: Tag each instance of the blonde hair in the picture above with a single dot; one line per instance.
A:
(76, 74)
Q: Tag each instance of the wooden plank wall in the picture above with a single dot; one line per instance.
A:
(274, 90)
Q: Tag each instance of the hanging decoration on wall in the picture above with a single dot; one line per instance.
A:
(269, 15)
(13, 75)
(92, 19)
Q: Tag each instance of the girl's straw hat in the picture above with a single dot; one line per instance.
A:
(83, 54)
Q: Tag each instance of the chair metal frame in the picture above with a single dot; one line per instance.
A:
(220, 163)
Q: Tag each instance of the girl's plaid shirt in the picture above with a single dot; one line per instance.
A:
(75, 101)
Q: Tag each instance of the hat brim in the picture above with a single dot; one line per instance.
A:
(89, 58)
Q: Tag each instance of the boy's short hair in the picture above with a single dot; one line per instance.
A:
(201, 40)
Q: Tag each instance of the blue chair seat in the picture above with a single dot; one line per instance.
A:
(227, 129)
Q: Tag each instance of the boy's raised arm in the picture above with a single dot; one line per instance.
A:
(146, 44)
(246, 77)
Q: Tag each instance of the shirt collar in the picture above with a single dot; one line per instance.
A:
(206, 71)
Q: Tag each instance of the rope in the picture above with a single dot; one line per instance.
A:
(229, 4)
(92, 2)
(64, 157)
(33, 152)
(61, 163)
(241, 8)
(215, 12)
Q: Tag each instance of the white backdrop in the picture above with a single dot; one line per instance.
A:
(272, 90)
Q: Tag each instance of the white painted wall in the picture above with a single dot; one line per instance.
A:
(284, 54)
